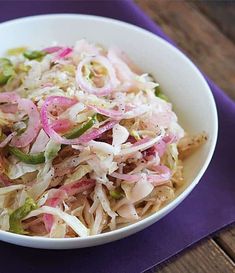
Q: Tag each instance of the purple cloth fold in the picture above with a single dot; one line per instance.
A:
(209, 207)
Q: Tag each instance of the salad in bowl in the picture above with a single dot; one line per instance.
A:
(89, 142)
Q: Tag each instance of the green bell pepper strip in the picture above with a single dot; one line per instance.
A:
(34, 55)
(19, 214)
(40, 157)
(78, 131)
(6, 70)
(27, 158)
(160, 94)
(5, 61)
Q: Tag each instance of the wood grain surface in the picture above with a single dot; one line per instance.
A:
(221, 15)
(226, 239)
(205, 31)
(198, 37)
(204, 257)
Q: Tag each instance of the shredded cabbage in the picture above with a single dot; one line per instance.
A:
(88, 142)
(70, 220)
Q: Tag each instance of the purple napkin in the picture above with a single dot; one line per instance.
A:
(209, 207)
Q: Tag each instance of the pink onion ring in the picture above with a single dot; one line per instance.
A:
(170, 138)
(126, 177)
(86, 86)
(9, 108)
(47, 84)
(65, 52)
(96, 133)
(5, 180)
(58, 197)
(62, 125)
(62, 53)
(33, 125)
(142, 144)
(124, 58)
(161, 178)
(115, 114)
(163, 175)
(159, 147)
(34, 119)
(53, 100)
(10, 97)
(78, 186)
(107, 112)
(64, 191)
(52, 49)
(141, 141)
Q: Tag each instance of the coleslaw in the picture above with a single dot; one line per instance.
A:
(88, 142)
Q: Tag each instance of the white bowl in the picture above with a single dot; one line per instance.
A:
(180, 79)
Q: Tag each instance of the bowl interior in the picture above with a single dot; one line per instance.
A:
(179, 78)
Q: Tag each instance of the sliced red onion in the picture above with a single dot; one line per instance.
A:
(57, 197)
(87, 86)
(163, 175)
(9, 108)
(158, 180)
(52, 102)
(52, 49)
(95, 133)
(64, 52)
(161, 178)
(62, 125)
(136, 111)
(162, 172)
(60, 194)
(141, 145)
(47, 84)
(78, 186)
(115, 114)
(5, 180)
(126, 177)
(124, 73)
(141, 141)
(115, 51)
(10, 97)
(83, 48)
(159, 147)
(7, 140)
(33, 125)
(107, 112)
(170, 138)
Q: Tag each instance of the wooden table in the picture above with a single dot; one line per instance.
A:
(205, 31)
